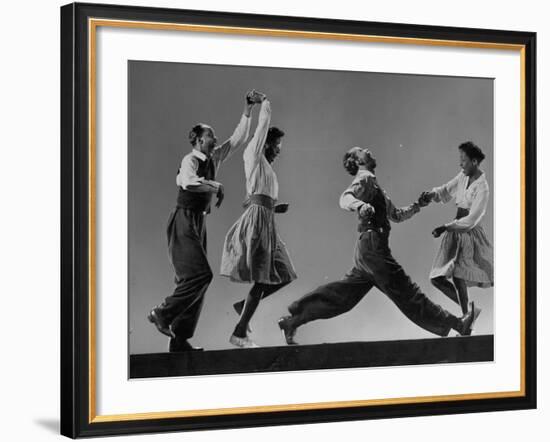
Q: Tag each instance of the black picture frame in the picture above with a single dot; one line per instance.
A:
(77, 403)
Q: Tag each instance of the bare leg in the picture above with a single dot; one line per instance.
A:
(268, 289)
(250, 306)
(446, 287)
(462, 289)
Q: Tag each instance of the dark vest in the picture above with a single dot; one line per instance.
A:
(380, 218)
(199, 201)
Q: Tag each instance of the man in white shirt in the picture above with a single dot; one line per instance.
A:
(177, 316)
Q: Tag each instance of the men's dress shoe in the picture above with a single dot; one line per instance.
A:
(288, 330)
(467, 321)
(238, 307)
(162, 325)
(181, 345)
(245, 342)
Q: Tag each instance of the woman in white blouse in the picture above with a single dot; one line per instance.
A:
(465, 256)
(253, 251)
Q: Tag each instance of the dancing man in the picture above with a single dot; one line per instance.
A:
(177, 316)
(374, 264)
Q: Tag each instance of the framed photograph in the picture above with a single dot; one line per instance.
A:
(273, 220)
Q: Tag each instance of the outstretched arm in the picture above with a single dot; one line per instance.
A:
(401, 214)
(239, 136)
(445, 193)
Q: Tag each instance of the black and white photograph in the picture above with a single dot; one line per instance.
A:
(294, 219)
(275, 220)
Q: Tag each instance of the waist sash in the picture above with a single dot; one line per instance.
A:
(260, 200)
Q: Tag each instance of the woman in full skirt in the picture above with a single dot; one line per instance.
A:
(253, 252)
(465, 256)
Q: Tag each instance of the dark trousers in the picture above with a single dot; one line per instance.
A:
(374, 266)
(187, 252)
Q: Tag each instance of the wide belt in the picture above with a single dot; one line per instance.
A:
(381, 230)
(260, 200)
(371, 224)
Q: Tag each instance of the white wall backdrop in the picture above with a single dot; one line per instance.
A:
(29, 233)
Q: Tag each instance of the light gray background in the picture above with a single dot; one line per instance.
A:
(413, 124)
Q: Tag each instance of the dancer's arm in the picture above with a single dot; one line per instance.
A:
(445, 193)
(239, 137)
(255, 149)
(355, 198)
(188, 179)
(401, 214)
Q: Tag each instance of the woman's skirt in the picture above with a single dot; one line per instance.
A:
(465, 255)
(253, 251)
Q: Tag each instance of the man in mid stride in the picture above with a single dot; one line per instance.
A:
(374, 264)
(178, 315)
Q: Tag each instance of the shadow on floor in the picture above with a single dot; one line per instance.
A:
(49, 424)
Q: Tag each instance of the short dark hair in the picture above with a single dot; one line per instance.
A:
(350, 162)
(273, 134)
(472, 151)
(196, 132)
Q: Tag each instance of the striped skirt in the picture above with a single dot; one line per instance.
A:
(254, 252)
(465, 255)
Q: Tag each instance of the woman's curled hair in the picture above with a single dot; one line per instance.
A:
(472, 151)
(273, 134)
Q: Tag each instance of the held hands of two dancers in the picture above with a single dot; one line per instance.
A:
(425, 198)
(254, 97)
(365, 211)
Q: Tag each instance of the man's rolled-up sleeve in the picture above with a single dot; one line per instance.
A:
(187, 175)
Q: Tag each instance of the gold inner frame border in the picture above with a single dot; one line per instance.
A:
(93, 24)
